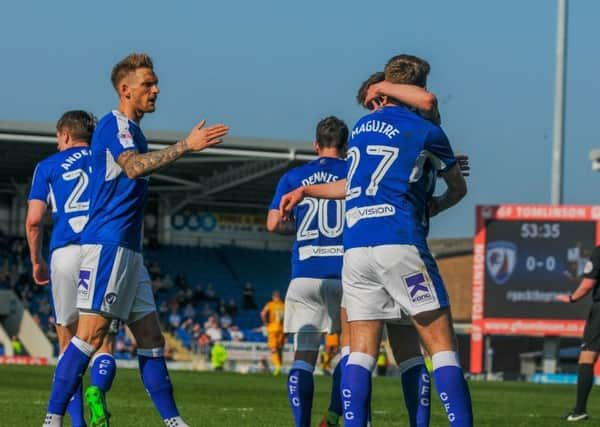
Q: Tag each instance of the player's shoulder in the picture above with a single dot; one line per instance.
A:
(57, 159)
(115, 121)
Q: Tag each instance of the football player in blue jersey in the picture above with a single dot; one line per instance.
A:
(61, 182)
(314, 295)
(394, 154)
(113, 282)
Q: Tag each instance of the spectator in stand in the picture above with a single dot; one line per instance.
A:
(174, 319)
(231, 307)
(195, 337)
(213, 329)
(167, 282)
(226, 321)
(189, 312)
(204, 344)
(249, 303)
(207, 311)
(210, 294)
(236, 334)
(198, 293)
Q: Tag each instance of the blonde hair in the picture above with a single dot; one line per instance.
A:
(128, 65)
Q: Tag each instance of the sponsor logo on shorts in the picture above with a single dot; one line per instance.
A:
(500, 259)
(376, 211)
(419, 288)
(83, 286)
(110, 298)
(306, 252)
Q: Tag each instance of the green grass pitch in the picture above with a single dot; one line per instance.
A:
(225, 399)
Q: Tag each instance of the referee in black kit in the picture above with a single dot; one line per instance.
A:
(590, 347)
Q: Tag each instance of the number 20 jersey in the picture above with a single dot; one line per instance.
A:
(393, 159)
(62, 181)
(318, 250)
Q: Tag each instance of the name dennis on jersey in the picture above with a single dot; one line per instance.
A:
(319, 178)
(376, 126)
(69, 161)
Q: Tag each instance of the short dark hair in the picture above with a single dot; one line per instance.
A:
(377, 77)
(407, 69)
(332, 133)
(80, 124)
(128, 65)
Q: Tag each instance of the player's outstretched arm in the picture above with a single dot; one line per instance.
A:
(331, 190)
(457, 189)
(277, 224)
(136, 164)
(582, 290)
(34, 230)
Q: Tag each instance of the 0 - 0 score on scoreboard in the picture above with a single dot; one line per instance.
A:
(523, 256)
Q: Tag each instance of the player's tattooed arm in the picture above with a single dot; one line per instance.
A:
(457, 189)
(277, 224)
(136, 164)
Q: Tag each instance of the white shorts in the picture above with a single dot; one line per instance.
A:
(382, 282)
(64, 274)
(113, 281)
(313, 306)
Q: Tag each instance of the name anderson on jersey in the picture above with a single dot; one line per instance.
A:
(376, 126)
(68, 162)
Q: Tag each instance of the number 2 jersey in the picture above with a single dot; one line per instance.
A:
(317, 251)
(117, 204)
(393, 159)
(62, 181)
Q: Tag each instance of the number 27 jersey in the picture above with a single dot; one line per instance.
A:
(62, 182)
(393, 159)
(317, 251)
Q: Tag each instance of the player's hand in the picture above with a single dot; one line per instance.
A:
(289, 201)
(202, 137)
(464, 164)
(40, 273)
(563, 298)
(373, 92)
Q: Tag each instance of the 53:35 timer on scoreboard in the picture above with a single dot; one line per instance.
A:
(523, 256)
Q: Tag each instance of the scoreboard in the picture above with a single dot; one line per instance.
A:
(523, 256)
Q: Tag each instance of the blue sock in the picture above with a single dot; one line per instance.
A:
(356, 389)
(452, 388)
(75, 408)
(68, 374)
(157, 382)
(103, 371)
(301, 387)
(335, 404)
(416, 386)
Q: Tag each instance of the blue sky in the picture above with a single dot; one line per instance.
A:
(273, 69)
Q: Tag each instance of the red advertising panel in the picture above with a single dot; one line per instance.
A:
(523, 256)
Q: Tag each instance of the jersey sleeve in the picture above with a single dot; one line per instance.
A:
(592, 267)
(283, 187)
(118, 137)
(40, 187)
(438, 146)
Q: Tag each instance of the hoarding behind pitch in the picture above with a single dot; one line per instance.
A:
(523, 256)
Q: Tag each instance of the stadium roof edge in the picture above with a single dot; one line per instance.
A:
(161, 137)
